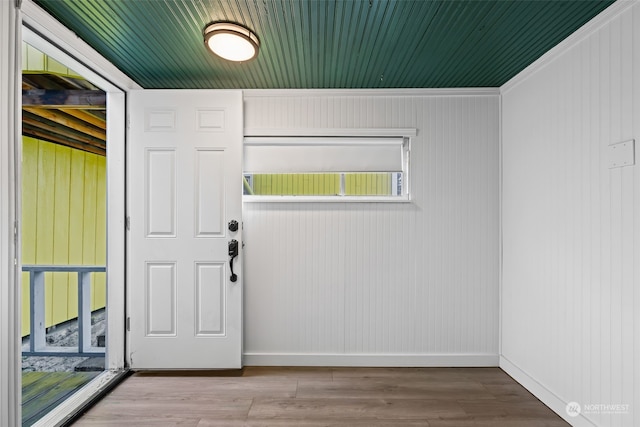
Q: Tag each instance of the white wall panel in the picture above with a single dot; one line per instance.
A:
(571, 231)
(380, 279)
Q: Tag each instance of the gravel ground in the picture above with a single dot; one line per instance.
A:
(65, 334)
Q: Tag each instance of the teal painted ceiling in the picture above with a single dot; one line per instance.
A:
(327, 43)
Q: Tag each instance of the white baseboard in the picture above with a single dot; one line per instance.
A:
(371, 360)
(549, 398)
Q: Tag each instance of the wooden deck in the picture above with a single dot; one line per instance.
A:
(288, 397)
(43, 391)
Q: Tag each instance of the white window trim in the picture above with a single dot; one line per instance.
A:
(327, 199)
(333, 132)
(405, 133)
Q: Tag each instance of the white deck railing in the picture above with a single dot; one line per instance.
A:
(37, 339)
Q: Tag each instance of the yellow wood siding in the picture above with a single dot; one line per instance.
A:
(34, 60)
(63, 222)
(310, 184)
(322, 184)
(367, 184)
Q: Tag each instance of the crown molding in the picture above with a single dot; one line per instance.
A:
(404, 92)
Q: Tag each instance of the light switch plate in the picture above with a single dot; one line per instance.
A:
(622, 154)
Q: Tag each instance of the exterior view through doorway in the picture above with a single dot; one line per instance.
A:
(70, 195)
(63, 229)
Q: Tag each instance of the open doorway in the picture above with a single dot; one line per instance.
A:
(63, 231)
(96, 282)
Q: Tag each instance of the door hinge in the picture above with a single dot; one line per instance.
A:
(127, 223)
(128, 324)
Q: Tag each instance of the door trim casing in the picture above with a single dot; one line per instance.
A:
(10, 118)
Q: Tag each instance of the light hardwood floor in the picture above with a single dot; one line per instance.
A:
(433, 397)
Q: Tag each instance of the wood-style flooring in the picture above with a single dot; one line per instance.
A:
(287, 397)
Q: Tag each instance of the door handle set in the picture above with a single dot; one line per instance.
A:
(233, 249)
(233, 252)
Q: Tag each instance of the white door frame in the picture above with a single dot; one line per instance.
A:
(52, 38)
(115, 200)
(10, 116)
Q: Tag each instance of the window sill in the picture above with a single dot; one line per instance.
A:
(326, 199)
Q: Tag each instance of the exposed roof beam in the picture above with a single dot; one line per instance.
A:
(45, 81)
(87, 117)
(83, 99)
(60, 117)
(61, 131)
(46, 136)
(65, 120)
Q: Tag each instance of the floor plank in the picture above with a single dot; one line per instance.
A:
(194, 388)
(314, 397)
(390, 388)
(354, 408)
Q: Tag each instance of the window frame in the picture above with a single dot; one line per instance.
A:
(407, 136)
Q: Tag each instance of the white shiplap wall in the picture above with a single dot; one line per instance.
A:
(571, 226)
(379, 283)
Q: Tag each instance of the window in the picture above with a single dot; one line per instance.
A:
(326, 168)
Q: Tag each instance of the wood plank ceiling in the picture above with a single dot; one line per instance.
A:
(304, 44)
(327, 43)
(64, 110)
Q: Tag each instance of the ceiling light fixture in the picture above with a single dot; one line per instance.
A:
(231, 41)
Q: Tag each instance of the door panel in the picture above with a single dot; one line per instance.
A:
(160, 299)
(210, 302)
(185, 169)
(210, 193)
(160, 189)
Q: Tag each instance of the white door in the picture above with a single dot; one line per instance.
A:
(184, 188)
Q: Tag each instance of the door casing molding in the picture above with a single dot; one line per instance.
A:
(10, 117)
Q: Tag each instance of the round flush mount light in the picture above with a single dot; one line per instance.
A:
(231, 41)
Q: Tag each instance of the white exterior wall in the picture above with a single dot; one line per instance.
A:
(571, 226)
(380, 283)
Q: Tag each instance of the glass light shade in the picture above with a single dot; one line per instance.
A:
(231, 41)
